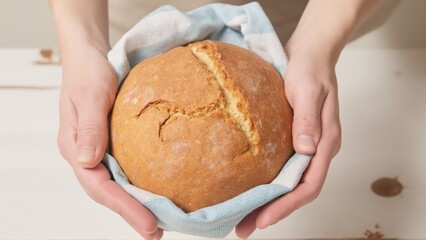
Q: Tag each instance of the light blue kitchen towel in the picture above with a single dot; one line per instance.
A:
(167, 27)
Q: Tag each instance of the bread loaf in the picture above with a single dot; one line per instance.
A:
(201, 124)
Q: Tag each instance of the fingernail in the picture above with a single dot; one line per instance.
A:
(150, 232)
(85, 154)
(306, 143)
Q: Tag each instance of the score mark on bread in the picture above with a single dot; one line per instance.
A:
(201, 124)
(232, 102)
(235, 105)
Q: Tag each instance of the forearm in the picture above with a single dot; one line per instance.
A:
(81, 24)
(327, 25)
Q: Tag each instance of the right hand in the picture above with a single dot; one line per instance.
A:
(87, 95)
(311, 90)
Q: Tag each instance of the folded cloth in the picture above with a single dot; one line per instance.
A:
(246, 26)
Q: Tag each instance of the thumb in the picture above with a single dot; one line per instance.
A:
(307, 107)
(92, 132)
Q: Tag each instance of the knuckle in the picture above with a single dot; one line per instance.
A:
(335, 134)
(338, 139)
(315, 194)
(117, 209)
(63, 146)
(89, 129)
(62, 151)
(306, 121)
(312, 193)
(87, 94)
(94, 193)
(310, 90)
(293, 206)
(314, 90)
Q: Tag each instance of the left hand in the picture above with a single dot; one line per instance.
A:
(311, 90)
(87, 94)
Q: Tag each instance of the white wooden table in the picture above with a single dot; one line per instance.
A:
(383, 113)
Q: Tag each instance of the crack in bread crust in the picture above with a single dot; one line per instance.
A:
(174, 132)
(173, 111)
(231, 102)
(235, 105)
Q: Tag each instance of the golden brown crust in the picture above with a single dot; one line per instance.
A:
(177, 131)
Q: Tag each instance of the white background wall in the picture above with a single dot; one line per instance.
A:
(28, 23)
(383, 110)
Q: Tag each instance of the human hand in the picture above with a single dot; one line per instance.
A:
(87, 95)
(311, 90)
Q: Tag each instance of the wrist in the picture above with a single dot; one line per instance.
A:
(73, 53)
(323, 38)
(81, 43)
(314, 48)
(81, 25)
(326, 26)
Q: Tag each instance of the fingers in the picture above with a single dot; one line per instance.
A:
(83, 130)
(307, 190)
(247, 226)
(98, 185)
(284, 206)
(136, 215)
(332, 138)
(307, 105)
(314, 176)
(92, 128)
(67, 134)
(87, 93)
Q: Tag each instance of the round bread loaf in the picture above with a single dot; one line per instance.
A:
(201, 124)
